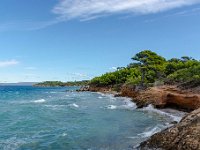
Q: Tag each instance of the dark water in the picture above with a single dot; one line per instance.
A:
(34, 118)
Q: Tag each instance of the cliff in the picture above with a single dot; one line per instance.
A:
(164, 96)
(159, 96)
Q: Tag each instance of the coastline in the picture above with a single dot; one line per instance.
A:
(165, 97)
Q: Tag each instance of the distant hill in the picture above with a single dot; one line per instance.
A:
(60, 84)
(19, 84)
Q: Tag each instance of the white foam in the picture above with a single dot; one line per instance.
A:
(128, 105)
(110, 96)
(64, 134)
(111, 107)
(150, 132)
(102, 94)
(40, 101)
(175, 117)
(100, 97)
(74, 105)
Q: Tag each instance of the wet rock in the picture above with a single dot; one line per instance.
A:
(182, 136)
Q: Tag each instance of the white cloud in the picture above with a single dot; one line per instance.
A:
(113, 68)
(90, 9)
(8, 63)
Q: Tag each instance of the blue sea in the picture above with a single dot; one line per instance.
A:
(33, 118)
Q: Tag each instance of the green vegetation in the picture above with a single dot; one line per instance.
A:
(149, 68)
(59, 83)
(50, 83)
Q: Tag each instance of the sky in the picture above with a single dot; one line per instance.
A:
(69, 40)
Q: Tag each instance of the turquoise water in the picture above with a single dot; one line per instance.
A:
(52, 119)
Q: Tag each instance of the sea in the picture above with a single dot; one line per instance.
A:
(41, 118)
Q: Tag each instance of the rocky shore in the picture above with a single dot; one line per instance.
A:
(160, 96)
(182, 136)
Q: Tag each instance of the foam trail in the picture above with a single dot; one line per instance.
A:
(128, 105)
(40, 101)
(151, 132)
(110, 96)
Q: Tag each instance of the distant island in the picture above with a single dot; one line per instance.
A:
(62, 84)
(19, 84)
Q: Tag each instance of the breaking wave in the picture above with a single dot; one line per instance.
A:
(127, 105)
(150, 132)
(174, 116)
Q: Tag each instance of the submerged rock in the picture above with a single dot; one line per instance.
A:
(182, 136)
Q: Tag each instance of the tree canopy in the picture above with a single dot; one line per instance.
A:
(148, 67)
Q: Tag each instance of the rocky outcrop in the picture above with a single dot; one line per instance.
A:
(182, 136)
(100, 89)
(163, 96)
(182, 101)
(160, 96)
(83, 89)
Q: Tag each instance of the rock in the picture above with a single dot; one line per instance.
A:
(184, 101)
(83, 89)
(159, 96)
(162, 97)
(182, 136)
(129, 91)
(174, 122)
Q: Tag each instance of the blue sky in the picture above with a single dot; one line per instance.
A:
(79, 39)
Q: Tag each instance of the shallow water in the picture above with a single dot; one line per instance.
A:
(53, 119)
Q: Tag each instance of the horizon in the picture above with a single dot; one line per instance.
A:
(72, 40)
